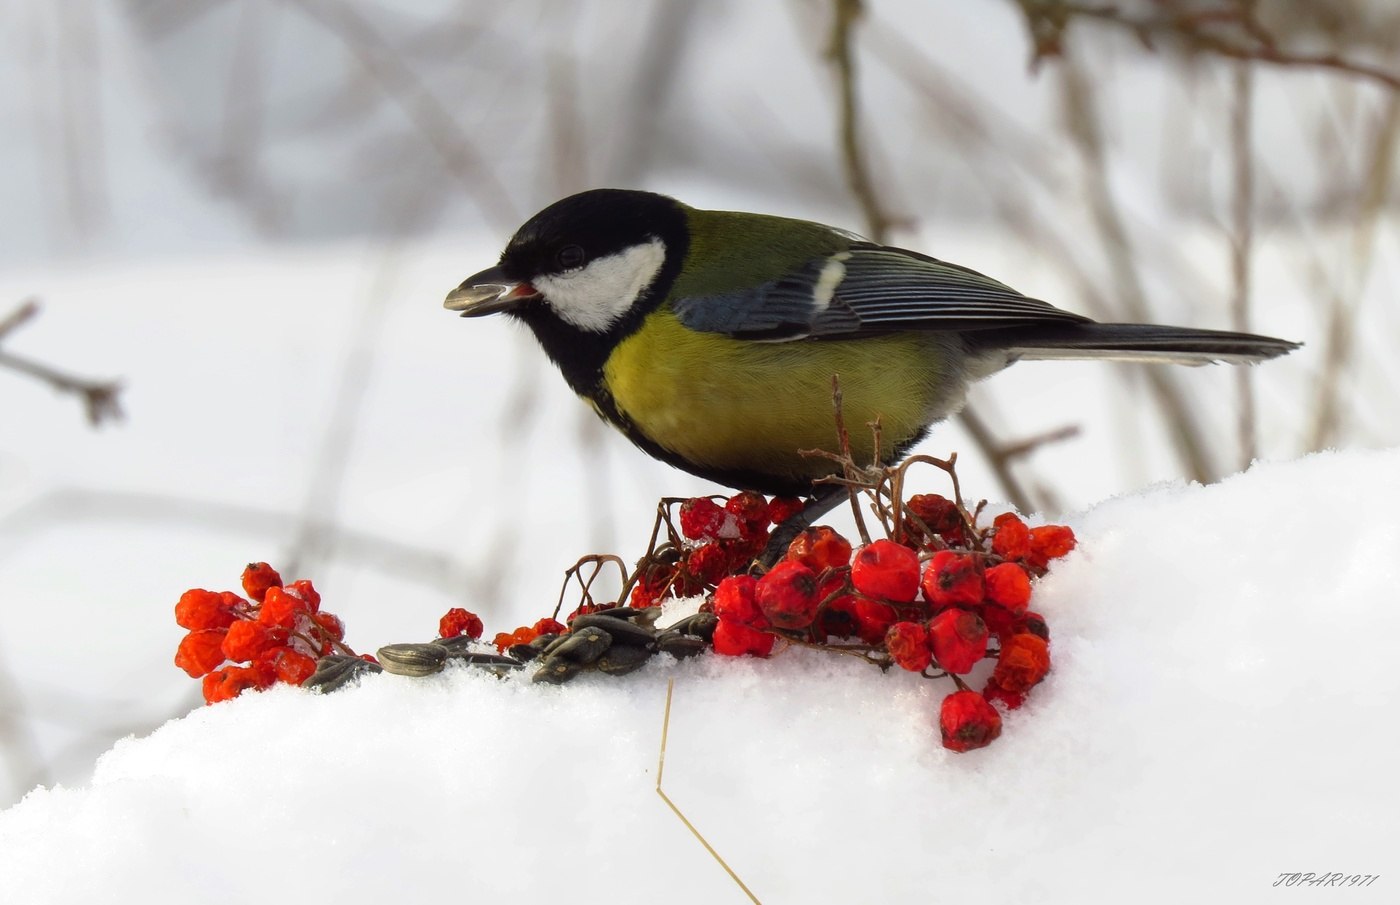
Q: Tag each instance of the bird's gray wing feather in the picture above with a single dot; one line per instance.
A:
(867, 289)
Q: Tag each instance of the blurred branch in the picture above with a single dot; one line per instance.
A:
(659, 64)
(99, 396)
(1337, 350)
(999, 456)
(402, 85)
(877, 220)
(23, 759)
(378, 552)
(1082, 123)
(1232, 31)
(1241, 249)
(931, 82)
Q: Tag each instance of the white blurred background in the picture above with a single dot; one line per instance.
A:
(245, 213)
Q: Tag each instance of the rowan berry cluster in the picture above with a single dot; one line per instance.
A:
(720, 539)
(932, 599)
(937, 595)
(275, 634)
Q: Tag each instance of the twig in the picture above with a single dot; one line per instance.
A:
(996, 458)
(24, 313)
(1199, 30)
(1342, 314)
(660, 770)
(574, 572)
(402, 86)
(843, 440)
(1083, 125)
(99, 397)
(877, 221)
(1241, 250)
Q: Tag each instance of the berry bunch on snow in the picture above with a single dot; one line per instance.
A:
(938, 595)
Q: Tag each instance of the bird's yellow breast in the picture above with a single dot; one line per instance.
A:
(750, 406)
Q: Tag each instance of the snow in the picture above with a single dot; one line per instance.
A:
(1222, 710)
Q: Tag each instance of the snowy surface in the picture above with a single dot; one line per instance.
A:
(1223, 709)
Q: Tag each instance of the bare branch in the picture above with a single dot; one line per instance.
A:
(877, 220)
(402, 85)
(1241, 250)
(99, 396)
(1233, 32)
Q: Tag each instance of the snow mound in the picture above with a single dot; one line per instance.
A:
(1220, 713)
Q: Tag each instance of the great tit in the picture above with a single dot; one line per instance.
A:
(710, 338)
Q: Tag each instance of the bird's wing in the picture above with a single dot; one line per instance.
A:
(866, 289)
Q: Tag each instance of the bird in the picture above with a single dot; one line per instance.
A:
(711, 338)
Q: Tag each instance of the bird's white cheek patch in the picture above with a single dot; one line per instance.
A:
(594, 297)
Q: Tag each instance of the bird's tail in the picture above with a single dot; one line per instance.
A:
(1129, 342)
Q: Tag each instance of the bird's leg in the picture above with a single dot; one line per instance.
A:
(824, 499)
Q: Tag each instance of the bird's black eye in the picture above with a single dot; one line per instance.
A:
(570, 257)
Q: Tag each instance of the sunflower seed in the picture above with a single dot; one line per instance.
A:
(622, 631)
(412, 659)
(620, 659)
(583, 646)
(680, 646)
(456, 644)
(701, 625)
(337, 670)
(556, 672)
(480, 658)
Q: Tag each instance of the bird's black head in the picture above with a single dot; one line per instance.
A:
(582, 273)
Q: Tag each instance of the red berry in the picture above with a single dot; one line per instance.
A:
(1049, 542)
(873, 619)
(1009, 585)
(199, 609)
(1001, 622)
(523, 635)
(994, 693)
(458, 621)
(258, 577)
(788, 595)
(200, 651)
(1035, 624)
(302, 588)
(281, 608)
(1012, 539)
(1023, 662)
(229, 682)
(708, 563)
(939, 513)
(886, 570)
(952, 579)
(330, 624)
(733, 640)
(643, 596)
(967, 721)
(286, 665)
(958, 638)
(907, 643)
(245, 640)
(751, 509)
(736, 601)
(702, 519)
(839, 617)
(820, 548)
(780, 509)
(549, 626)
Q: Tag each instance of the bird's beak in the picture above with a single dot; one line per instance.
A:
(487, 293)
